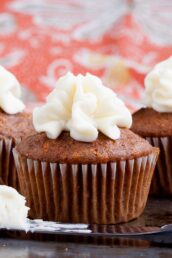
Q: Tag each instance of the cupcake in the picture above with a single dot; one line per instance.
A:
(154, 123)
(14, 124)
(84, 165)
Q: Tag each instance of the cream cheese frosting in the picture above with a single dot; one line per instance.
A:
(82, 105)
(10, 93)
(158, 87)
(13, 212)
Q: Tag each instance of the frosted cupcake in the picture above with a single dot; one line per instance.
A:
(84, 164)
(154, 122)
(14, 124)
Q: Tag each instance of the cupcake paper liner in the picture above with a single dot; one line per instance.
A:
(162, 179)
(86, 193)
(8, 174)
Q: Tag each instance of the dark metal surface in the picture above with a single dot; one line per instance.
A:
(157, 213)
(25, 249)
(160, 235)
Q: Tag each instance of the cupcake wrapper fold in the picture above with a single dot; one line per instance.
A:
(162, 179)
(8, 174)
(89, 193)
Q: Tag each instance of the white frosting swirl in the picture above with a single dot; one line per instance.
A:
(82, 105)
(10, 93)
(13, 212)
(158, 87)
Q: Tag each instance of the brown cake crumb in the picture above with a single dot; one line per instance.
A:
(147, 122)
(15, 126)
(67, 150)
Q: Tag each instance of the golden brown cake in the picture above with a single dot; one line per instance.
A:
(83, 165)
(14, 124)
(12, 129)
(156, 128)
(102, 182)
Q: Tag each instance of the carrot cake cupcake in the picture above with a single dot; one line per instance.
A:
(14, 124)
(154, 122)
(84, 164)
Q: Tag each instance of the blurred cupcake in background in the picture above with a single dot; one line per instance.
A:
(84, 164)
(154, 123)
(14, 124)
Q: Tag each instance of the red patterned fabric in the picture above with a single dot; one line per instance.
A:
(38, 51)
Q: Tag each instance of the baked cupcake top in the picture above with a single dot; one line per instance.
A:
(69, 122)
(16, 126)
(148, 122)
(156, 118)
(65, 149)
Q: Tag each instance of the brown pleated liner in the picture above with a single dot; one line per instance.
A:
(88, 193)
(8, 173)
(162, 179)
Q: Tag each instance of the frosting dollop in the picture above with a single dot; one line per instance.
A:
(158, 87)
(13, 212)
(10, 93)
(82, 105)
